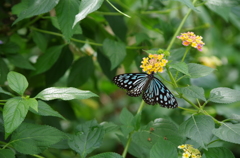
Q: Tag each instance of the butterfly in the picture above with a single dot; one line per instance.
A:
(152, 89)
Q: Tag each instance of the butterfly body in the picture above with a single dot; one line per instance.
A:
(152, 89)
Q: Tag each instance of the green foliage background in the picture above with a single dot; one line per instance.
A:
(51, 47)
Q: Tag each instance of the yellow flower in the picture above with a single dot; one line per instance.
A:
(189, 38)
(153, 63)
(211, 61)
(186, 155)
(182, 146)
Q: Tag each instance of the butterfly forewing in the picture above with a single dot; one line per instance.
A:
(157, 92)
(132, 82)
(154, 91)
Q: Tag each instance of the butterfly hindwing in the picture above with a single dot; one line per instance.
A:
(157, 92)
(154, 91)
(132, 82)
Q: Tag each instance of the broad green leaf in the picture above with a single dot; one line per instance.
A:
(33, 104)
(109, 127)
(141, 37)
(34, 139)
(228, 111)
(198, 128)
(65, 12)
(45, 110)
(5, 92)
(197, 70)
(14, 112)
(9, 48)
(117, 24)
(224, 95)
(19, 61)
(35, 7)
(151, 51)
(223, 11)
(81, 71)
(159, 130)
(7, 153)
(88, 137)
(69, 93)
(17, 82)
(126, 129)
(105, 65)
(163, 149)
(3, 71)
(228, 132)
(47, 60)
(107, 155)
(181, 66)
(193, 91)
(126, 117)
(188, 3)
(59, 69)
(40, 40)
(86, 7)
(115, 51)
(218, 152)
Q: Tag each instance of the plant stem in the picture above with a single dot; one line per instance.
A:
(190, 102)
(140, 107)
(179, 28)
(118, 10)
(127, 145)
(130, 134)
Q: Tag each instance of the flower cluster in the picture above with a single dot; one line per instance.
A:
(211, 61)
(189, 151)
(190, 38)
(153, 63)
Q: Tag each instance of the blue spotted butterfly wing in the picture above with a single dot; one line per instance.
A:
(132, 82)
(154, 91)
(157, 92)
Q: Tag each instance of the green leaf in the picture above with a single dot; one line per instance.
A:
(81, 71)
(35, 7)
(218, 152)
(5, 92)
(14, 112)
(197, 70)
(159, 130)
(3, 71)
(126, 117)
(163, 149)
(9, 48)
(86, 7)
(19, 61)
(17, 82)
(107, 155)
(105, 65)
(193, 91)
(33, 104)
(59, 69)
(7, 153)
(189, 4)
(34, 139)
(141, 37)
(40, 40)
(117, 24)
(181, 66)
(228, 132)
(224, 95)
(45, 110)
(65, 12)
(46, 61)
(69, 93)
(109, 127)
(88, 137)
(198, 128)
(115, 51)
(220, 7)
